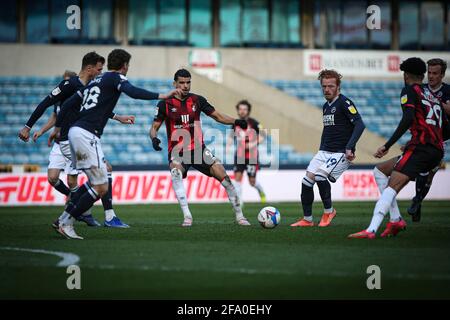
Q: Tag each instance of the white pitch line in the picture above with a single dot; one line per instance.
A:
(67, 257)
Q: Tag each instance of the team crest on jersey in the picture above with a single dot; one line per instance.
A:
(333, 110)
(56, 91)
(404, 99)
(352, 110)
(173, 109)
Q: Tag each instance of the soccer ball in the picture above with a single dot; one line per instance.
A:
(269, 217)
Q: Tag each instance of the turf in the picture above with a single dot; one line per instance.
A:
(216, 259)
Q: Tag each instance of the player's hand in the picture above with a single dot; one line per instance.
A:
(53, 136)
(240, 123)
(24, 134)
(381, 152)
(171, 93)
(350, 155)
(402, 148)
(155, 143)
(125, 119)
(36, 135)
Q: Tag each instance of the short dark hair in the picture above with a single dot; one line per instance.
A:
(414, 66)
(91, 59)
(330, 74)
(183, 73)
(117, 59)
(438, 62)
(245, 103)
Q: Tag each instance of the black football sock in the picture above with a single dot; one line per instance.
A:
(107, 198)
(85, 202)
(61, 187)
(421, 188)
(325, 193)
(307, 197)
(77, 192)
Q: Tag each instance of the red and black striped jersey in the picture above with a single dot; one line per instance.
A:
(182, 119)
(246, 140)
(429, 118)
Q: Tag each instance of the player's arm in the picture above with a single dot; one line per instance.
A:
(142, 94)
(408, 107)
(123, 119)
(55, 96)
(50, 123)
(74, 103)
(160, 116)
(351, 112)
(210, 111)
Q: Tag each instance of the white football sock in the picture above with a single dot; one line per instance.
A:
(258, 187)
(109, 214)
(381, 208)
(233, 197)
(382, 182)
(238, 187)
(66, 218)
(180, 192)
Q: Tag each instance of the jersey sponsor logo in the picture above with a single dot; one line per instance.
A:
(66, 83)
(194, 107)
(348, 102)
(352, 110)
(185, 118)
(328, 120)
(404, 99)
(56, 91)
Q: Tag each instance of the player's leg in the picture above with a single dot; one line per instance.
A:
(55, 166)
(307, 199)
(335, 165)
(217, 171)
(88, 155)
(75, 190)
(307, 191)
(252, 170)
(177, 173)
(111, 220)
(423, 185)
(381, 173)
(238, 174)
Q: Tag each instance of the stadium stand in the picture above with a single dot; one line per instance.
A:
(378, 101)
(123, 145)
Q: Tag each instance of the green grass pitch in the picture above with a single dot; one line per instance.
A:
(217, 259)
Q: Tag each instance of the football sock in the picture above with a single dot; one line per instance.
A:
(307, 197)
(84, 203)
(325, 193)
(109, 214)
(238, 187)
(233, 197)
(258, 187)
(107, 198)
(61, 187)
(382, 181)
(422, 187)
(180, 192)
(76, 192)
(381, 208)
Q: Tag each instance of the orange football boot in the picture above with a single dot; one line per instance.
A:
(303, 223)
(326, 218)
(393, 228)
(362, 235)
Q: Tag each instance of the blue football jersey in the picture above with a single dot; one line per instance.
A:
(338, 119)
(99, 98)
